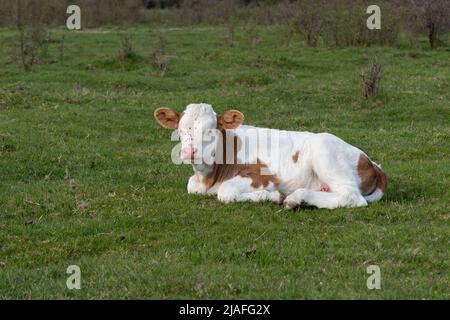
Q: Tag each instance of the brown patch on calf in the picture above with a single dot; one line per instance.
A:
(295, 156)
(227, 167)
(372, 177)
(254, 172)
(224, 172)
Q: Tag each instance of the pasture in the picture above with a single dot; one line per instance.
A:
(86, 176)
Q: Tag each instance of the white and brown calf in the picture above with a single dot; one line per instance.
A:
(244, 163)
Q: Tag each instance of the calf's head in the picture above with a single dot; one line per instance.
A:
(198, 128)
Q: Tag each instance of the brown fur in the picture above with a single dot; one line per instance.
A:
(371, 175)
(167, 117)
(254, 172)
(230, 168)
(224, 172)
(295, 156)
(230, 119)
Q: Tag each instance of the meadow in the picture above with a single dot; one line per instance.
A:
(86, 176)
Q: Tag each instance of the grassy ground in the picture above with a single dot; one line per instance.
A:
(127, 220)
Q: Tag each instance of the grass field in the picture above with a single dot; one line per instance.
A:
(86, 176)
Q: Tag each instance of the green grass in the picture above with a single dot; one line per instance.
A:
(130, 224)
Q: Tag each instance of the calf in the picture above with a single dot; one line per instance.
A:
(243, 163)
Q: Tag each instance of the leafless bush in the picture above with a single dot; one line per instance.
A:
(370, 80)
(100, 12)
(61, 50)
(25, 54)
(193, 12)
(333, 22)
(32, 46)
(8, 13)
(287, 15)
(32, 12)
(206, 11)
(434, 17)
(162, 63)
(304, 17)
(229, 40)
(252, 32)
(161, 4)
(53, 12)
(159, 58)
(311, 20)
(126, 49)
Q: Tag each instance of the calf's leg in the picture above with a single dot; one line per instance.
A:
(328, 200)
(241, 189)
(195, 185)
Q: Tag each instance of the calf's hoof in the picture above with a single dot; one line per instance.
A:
(289, 204)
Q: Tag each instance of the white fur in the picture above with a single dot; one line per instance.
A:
(323, 160)
(375, 196)
(195, 185)
(240, 189)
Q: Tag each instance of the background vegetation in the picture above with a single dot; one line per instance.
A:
(335, 22)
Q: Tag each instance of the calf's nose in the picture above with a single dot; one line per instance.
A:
(189, 152)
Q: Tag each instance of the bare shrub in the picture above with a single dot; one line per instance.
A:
(335, 22)
(126, 49)
(100, 12)
(225, 11)
(40, 36)
(8, 13)
(287, 15)
(208, 11)
(304, 17)
(53, 12)
(311, 20)
(159, 58)
(25, 53)
(162, 63)
(345, 24)
(434, 17)
(252, 32)
(229, 39)
(61, 50)
(193, 12)
(32, 12)
(161, 4)
(370, 79)
(32, 46)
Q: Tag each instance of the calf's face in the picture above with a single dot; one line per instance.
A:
(199, 129)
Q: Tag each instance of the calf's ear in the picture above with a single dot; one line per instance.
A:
(230, 119)
(167, 117)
